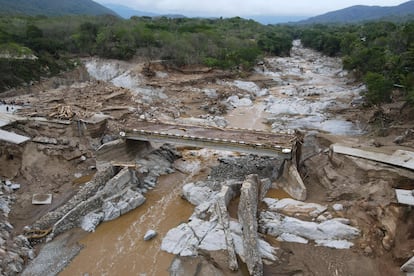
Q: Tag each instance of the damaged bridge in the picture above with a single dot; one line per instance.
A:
(284, 145)
(232, 139)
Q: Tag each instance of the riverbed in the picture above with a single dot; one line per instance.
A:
(307, 88)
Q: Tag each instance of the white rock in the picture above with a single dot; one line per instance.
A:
(4, 206)
(15, 186)
(238, 245)
(195, 194)
(408, 266)
(110, 211)
(123, 207)
(188, 166)
(78, 175)
(266, 250)
(338, 244)
(321, 218)
(150, 235)
(211, 93)
(180, 240)
(291, 206)
(201, 227)
(275, 224)
(236, 102)
(214, 240)
(90, 221)
(251, 87)
(286, 237)
(338, 207)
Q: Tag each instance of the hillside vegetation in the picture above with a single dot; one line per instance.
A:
(52, 7)
(222, 43)
(361, 13)
(380, 53)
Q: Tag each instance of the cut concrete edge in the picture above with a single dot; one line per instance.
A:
(401, 158)
(13, 137)
(8, 118)
(42, 199)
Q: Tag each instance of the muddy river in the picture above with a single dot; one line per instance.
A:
(117, 247)
(309, 85)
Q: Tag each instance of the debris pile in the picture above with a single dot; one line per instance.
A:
(15, 251)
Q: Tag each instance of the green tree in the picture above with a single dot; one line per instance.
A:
(379, 88)
(85, 37)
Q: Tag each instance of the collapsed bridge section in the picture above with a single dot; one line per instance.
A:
(285, 145)
(232, 139)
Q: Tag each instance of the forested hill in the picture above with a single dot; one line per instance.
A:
(364, 13)
(53, 7)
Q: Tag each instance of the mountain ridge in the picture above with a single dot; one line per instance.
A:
(360, 13)
(53, 7)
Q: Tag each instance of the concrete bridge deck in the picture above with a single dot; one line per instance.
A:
(233, 139)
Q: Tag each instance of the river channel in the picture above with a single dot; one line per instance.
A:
(308, 86)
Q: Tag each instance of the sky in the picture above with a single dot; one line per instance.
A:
(228, 8)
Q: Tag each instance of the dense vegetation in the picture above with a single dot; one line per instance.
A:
(380, 53)
(52, 7)
(223, 43)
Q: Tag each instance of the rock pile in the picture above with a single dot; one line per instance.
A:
(14, 251)
(210, 228)
(111, 193)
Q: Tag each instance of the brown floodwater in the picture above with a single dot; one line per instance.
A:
(248, 117)
(118, 248)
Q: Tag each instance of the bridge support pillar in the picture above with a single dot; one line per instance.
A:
(291, 180)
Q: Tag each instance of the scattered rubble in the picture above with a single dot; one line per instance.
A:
(14, 250)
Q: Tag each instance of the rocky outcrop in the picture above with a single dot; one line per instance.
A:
(210, 228)
(110, 194)
(334, 233)
(87, 192)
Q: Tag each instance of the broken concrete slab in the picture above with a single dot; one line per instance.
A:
(45, 140)
(248, 219)
(401, 158)
(408, 266)
(120, 151)
(12, 137)
(8, 118)
(223, 200)
(405, 196)
(42, 199)
(291, 181)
